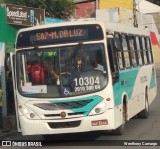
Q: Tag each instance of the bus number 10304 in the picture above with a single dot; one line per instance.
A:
(86, 81)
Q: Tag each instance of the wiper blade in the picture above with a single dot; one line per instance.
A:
(69, 59)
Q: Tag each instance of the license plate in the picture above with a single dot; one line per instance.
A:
(99, 122)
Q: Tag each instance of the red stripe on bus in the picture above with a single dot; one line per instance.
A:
(154, 39)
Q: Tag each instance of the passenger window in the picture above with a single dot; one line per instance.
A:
(139, 52)
(144, 50)
(112, 55)
(125, 51)
(149, 49)
(118, 51)
(132, 50)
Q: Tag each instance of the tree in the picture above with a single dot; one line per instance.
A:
(2, 1)
(62, 9)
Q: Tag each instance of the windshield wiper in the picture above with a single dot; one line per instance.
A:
(73, 55)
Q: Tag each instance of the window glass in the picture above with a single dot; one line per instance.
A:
(118, 50)
(62, 71)
(112, 55)
(132, 50)
(125, 51)
(144, 50)
(149, 50)
(139, 51)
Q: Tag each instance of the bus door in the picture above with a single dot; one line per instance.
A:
(12, 58)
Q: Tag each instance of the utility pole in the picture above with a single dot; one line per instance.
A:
(97, 4)
(135, 24)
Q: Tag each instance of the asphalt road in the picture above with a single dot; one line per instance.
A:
(136, 129)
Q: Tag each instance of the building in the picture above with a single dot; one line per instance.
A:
(150, 16)
(146, 14)
(85, 9)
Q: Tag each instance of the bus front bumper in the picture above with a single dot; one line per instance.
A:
(103, 121)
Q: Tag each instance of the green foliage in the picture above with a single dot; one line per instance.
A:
(63, 9)
(2, 1)
(60, 8)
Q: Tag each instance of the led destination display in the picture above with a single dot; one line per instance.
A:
(59, 35)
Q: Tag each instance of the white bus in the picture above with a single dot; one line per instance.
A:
(82, 76)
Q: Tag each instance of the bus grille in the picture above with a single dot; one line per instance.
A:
(69, 114)
(63, 105)
(64, 124)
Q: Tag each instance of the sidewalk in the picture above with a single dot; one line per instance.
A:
(6, 133)
(8, 127)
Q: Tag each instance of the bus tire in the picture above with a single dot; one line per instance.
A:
(121, 129)
(145, 112)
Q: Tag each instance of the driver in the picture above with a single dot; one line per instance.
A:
(97, 66)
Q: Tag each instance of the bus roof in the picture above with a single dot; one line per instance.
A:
(111, 27)
(117, 27)
(61, 24)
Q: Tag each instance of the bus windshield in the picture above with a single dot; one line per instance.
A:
(61, 71)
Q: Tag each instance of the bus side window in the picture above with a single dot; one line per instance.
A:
(144, 49)
(149, 50)
(139, 52)
(113, 59)
(118, 51)
(126, 54)
(111, 55)
(132, 49)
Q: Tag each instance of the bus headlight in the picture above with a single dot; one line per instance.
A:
(100, 108)
(24, 111)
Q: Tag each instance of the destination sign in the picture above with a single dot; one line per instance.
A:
(59, 35)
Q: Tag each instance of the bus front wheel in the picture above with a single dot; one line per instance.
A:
(145, 112)
(120, 130)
